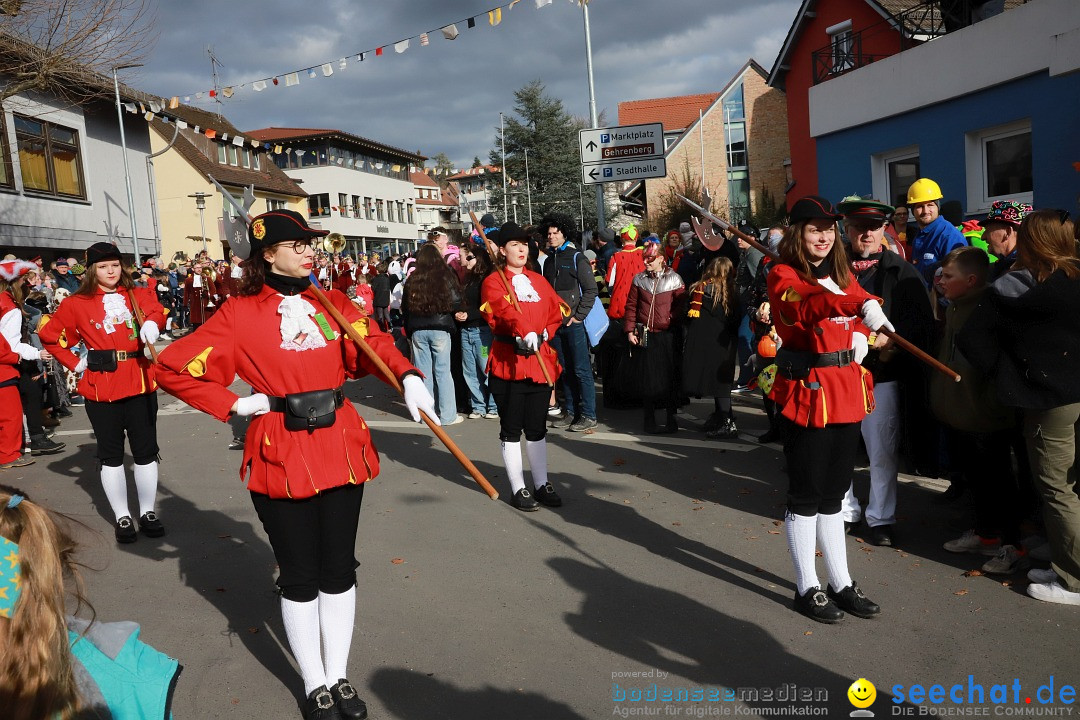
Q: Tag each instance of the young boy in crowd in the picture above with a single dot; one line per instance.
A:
(982, 428)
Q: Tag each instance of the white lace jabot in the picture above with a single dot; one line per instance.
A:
(524, 289)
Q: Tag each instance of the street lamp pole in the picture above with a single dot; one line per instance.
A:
(200, 203)
(502, 139)
(528, 185)
(127, 170)
(600, 222)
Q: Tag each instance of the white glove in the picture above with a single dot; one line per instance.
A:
(532, 341)
(418, 398)
(874, 317)
(257, 404)
(80, 367)
(149, 332)
(860, 345)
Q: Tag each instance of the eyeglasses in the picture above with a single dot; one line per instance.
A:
(298, 246)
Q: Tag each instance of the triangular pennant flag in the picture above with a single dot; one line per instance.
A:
(423, 39)
(542, 3)
(227, 92)
(196, 130)
(402, 46)
(327, 70)
(213, 93)
(142, 108)
(342, 63)
(494, 16)
(396, 168)
(224, 137)
(238, 141)
(300, 153)
(187, 98)
(154, 107)
(277, 149)
(258, 85)
(311, 73)
(450, 32)
(378, 52)
(340, 161)
(360, 57)
(198, 96)
(471, 23)
(181, 124)
(174, 103)
(211, 133)
(275, 81)
(130, 107)
(291, 79)
(148, 116)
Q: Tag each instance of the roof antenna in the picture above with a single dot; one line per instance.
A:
(214, 63)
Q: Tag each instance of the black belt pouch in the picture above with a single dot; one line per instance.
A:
(101, 360)
(311, 410)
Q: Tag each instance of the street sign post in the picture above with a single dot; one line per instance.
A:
(625, 142)
(620, 170)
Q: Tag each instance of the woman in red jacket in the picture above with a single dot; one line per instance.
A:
(118, 382)
(519, 340)
(307, 453)
(823, 318)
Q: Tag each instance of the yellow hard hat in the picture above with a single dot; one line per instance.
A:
(923, 190)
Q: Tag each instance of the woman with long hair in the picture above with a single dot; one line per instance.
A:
(50, 664)
(430, 297)
(1026, 336)
(307, 452)
(824, 317)
(519, 351)
(117, 379)
(656, 302)
(711, 338)
(475, 333)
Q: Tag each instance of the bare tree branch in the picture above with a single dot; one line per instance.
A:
(69, 47)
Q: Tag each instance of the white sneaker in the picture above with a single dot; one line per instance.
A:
(970, 542)
(1006, 562)
(457, 419)
(475, 415)
(1052, 592)
(492, 415)
(1042, 576)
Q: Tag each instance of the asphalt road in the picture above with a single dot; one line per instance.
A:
(666, 565)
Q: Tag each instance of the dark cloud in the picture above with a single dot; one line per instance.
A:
(446, 97)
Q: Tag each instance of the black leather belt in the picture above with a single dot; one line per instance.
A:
(840, 358)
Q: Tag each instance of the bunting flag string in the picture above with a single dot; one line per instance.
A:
(449, 32)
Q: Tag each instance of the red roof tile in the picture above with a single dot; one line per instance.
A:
(421, 178)
(676, 113)
(473, 172)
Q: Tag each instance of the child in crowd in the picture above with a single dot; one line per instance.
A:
(981, 443)
(711, 337)
(52, 666)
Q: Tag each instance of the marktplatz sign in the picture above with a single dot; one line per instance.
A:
(620, 170)
(625, 142)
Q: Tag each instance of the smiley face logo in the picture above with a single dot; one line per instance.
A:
(862, 693)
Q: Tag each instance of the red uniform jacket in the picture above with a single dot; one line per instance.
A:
(809, 317)
(625, 264)
(82, 318)
(505, 321)
(244, 338)
(345, 277)
(9, 365)
(201, 301)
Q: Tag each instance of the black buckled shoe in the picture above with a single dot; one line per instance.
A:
(348, 703)
(547, 496)
(852, 600)
(817, 606)
(150, 525)
(881, 535)
(320, 705)
(125, 530)
(524, 500)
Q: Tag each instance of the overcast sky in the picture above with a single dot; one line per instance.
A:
(446, 97)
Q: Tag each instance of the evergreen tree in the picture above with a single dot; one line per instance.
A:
(443, 166)
(542, 125)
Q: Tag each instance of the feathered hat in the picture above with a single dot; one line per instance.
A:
(12, 270)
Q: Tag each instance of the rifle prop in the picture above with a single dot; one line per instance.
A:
(904, 343)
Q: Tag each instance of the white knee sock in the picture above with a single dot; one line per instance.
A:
(830, 533)
(337, 614)
(537, 452)
(114, 482)
(511, 453)
(301, 621)
(800, 537)
(146, 478)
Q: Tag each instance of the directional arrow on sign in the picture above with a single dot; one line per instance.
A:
(591, 145)
(593, 173)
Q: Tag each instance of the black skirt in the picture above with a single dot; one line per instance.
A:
(652, 373)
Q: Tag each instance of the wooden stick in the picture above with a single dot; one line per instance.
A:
(139, 316)
(392, 379)
(891, 334)
(488, 245)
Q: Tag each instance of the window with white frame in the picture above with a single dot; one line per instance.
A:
(893, 172)
(999, 167)
(840, 40)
